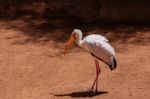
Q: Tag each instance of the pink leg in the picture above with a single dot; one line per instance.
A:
(95, 78)
(97, 74)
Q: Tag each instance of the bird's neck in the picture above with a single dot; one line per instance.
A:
(79, 42)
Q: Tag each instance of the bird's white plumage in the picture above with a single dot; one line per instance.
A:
(96, 37)
(97, 45)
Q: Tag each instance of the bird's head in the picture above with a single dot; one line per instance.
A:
(76, 35)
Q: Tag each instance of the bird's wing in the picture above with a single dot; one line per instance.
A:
(99, 46)
(95, 41)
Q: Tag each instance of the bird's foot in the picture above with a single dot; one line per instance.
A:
(92, 91)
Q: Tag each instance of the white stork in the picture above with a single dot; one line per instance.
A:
(98, 47)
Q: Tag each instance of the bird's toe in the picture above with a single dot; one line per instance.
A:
(92, 91)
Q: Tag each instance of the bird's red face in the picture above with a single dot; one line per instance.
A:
(70, 42)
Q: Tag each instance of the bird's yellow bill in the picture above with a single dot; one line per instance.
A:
(70, 43)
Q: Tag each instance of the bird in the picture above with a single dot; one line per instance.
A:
(99, 48)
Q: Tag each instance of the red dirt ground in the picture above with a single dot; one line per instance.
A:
(39, 70)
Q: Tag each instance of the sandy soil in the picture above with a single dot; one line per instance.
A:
(39, 70)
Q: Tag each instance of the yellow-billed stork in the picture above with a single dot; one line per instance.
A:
(98, 47)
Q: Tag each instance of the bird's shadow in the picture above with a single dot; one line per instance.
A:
(83, 94)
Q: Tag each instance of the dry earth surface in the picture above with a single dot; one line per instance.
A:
(37, 69)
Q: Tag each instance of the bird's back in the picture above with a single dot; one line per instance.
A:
(96, 37)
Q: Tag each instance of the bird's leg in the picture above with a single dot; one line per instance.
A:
(96, 65)
(98, 72)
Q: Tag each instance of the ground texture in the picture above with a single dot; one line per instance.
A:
(33, 66)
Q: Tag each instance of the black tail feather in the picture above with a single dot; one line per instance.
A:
(112, 66)
(115, 63)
